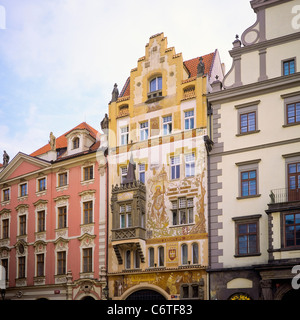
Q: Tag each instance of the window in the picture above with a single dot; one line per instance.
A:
(293, 112)
(156, 84)
(88, 173)
(22, 225)
(40, 265)
(87, 260)
(161, 256)
(42, 184)
(247, 122)
(247, 238)
(183, 211)
(88, 212)
(23, 189)
(195, 253)
(136, 259)
(184, 254)
(144, 131)
(151, 257)
(41, 221)
(127, 259)
(61, 262)
(6, 194)
(292, 229)
(62, 217)
(190, 165)
(125, 216)
(4, 263)
(21, 267)
(175, 167)
(248, 183)
(62, 179)
(142, 172)
(76, 143)
(167, 125)
(123, 174)
(124, 135)
(189, 120)
(294, 181)
(5, 228)
(288, 67)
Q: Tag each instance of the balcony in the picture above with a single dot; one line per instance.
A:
(284, 199)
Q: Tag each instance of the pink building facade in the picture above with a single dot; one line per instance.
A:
(53, 220)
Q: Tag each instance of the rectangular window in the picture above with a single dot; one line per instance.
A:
(40, 265)
(124, 135)
(22, 225)
(87, 260)
(142, 172)
(21, 267)
(123, 174)
(183, 211)
(294, 181)
(5, 228)
(88, 173)
(248, 183)
(288, 67)
(190, 165)
(62, 179)
(42, 184)
(41, 221)
(23, 190)
(293, 112)
(6, 194)
(189, 120)
(88, 212)
(175, 167)
(247, 122)
(125, 216)
(127, 259)
(62, 217)
(144, 131)
(167, 125)
(247, 238)
(61, 262)
(292, 229)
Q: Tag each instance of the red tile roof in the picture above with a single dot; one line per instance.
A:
(61, 142)
(191, 66)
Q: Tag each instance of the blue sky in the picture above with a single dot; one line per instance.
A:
(59, 59)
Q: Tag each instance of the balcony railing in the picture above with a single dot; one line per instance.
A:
(284, 195)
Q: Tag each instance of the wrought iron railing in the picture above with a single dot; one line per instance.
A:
(284, 195)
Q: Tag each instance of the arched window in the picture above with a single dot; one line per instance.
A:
(151, 257)
(195, 253)
(184, 254)
(161, 256)
(156, 84)
(75, 143)
(127, 259)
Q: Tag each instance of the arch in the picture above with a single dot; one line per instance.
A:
(88, 298)
(282, 290)
(145, 286)
(75, 143)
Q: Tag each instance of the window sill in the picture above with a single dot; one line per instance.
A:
(247, 133)
(247, 255)
(62, 188)
(291, 124)
(248, 197)
(182, 225)
(86, 182)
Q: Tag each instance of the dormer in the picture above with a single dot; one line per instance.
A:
(78, 140)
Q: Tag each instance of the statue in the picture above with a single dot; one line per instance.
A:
(115, 93)
(200, 68)
(104, 122)
(52, 141)
(5, 159)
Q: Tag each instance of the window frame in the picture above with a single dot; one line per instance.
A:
(294, 245)
(5, 228)
(40, 265)
(142, 170)
(144, 131)
(184, 254)
(189, 163)
(151, 257)
(125, 135)
(21, 267)
(158, 84)
(4, 190)
(177, 212)
(175, 163)
(289, 60)
(41, 221)
(22, 224)
(167, 125)
(187, 119)
(290, 99)
(61, 260)
(23, 192)
(87, 260)
(125, 217)
(62, 224)
(88, 213)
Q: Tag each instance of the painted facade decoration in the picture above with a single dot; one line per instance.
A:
(158, 219)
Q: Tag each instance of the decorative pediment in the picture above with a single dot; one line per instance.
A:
(21, 165)
(21, 247)
(86, 240)
(22, 208)
(5, 212)
(61, 243)
(40, 203)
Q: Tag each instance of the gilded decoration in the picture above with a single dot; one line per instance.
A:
(161, 191)
(169, 281)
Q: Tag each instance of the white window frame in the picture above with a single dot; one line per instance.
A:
(124, 135)
(189, 162)
(188, 117)
(167, 125)
(144, 130)
(174, 162)
(142, 169)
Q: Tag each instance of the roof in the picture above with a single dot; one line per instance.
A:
(191, 66)
(61, 142)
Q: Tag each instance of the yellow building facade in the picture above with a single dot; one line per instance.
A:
(158, 236)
